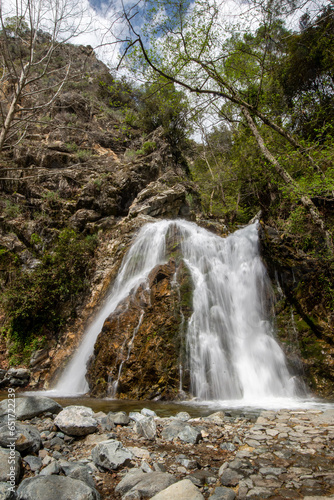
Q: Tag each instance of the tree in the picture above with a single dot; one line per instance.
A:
(201, 52)
(31, 34)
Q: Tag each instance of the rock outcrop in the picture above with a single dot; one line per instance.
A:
(305, 321)
(137, 354)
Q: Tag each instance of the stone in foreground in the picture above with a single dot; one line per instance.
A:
(27, 439)
(31, 406)
(111, 454)
(55, 488)
(146, 484)
(76, 421)
(180, 430)
(5, 457)
(182, 490)
(6, 493)
(222, 493)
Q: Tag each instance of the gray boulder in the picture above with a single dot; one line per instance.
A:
(27, 439)
(6, 492)
(55, 488)
(146, 427)
(10, 462)
(78, 471)
(146, 485)
(222, 493)
(182, 490)
(31, 406)
(35, 463)
(148, 413)
(119, 418)
(18, 377)
(111, 454)
(183, 415)
(52, 469)
(76, 421)
(178, 429)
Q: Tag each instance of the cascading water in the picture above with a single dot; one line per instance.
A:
(232, 353)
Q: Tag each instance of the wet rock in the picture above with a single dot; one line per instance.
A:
(146, 427)
(147, 485)
(55, 488)
(76, 421)
(145, 329)
(6, 492)
(182, 490)
(111, 454)
(30, 406)
(6, 467)
(221, 493)
(27, 439)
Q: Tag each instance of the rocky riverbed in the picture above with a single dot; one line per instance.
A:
(73, 453)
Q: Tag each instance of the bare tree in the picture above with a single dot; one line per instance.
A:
(31, 33)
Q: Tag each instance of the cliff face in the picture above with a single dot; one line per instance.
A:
(304, 309)
(138, 353)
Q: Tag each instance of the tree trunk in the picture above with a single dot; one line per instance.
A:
(306, 200)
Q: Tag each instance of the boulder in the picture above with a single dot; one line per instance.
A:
(178, 429)
(182, 490)
(119, 418)
(146, 427)
(148, 413)
(76, 421)
(17, 377)
(55, 488)
(35, 463)
(78, 471)
(111, 454)
(27, 439)
(7, 456)
(31, 406)
(7, 493)
(147, 485)
(222, 493)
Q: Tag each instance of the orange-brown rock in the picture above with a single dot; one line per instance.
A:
(142, 343)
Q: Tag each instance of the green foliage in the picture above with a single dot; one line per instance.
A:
(147, 148)
(161, 105)
(39, 301)
(12, 210)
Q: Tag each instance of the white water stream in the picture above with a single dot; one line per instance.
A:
(231, 349)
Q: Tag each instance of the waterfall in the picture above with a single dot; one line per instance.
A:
(231, 349)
